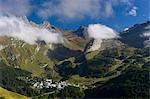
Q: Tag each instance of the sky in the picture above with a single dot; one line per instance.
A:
(70, 14)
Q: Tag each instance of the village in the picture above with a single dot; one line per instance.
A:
(48, 83)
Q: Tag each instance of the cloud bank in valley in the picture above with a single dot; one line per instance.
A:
(98, 31)
(22, 30)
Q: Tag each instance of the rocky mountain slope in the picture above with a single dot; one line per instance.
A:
(137, 36)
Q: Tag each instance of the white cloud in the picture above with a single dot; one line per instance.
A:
(108, 9)
(79, 9)
(64, 9)
(133, 11)
(98, 31)
(15, 7)
(71, 9)
(22, 30)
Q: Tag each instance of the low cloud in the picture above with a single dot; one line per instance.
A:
(98, 31)
(23, 30)
(147, 33)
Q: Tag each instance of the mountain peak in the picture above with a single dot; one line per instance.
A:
(81, 31)
(45, 24)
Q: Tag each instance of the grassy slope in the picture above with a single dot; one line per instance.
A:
(29, 58)
(73, 42)
(10, 95)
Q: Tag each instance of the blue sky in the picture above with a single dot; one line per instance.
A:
(70, 14)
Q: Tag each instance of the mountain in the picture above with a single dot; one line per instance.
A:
(134, 36)
(82, 64)
(129, 84)
(81, 31)
(94, 44)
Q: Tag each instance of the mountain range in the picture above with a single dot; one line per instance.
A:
(103, 68)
